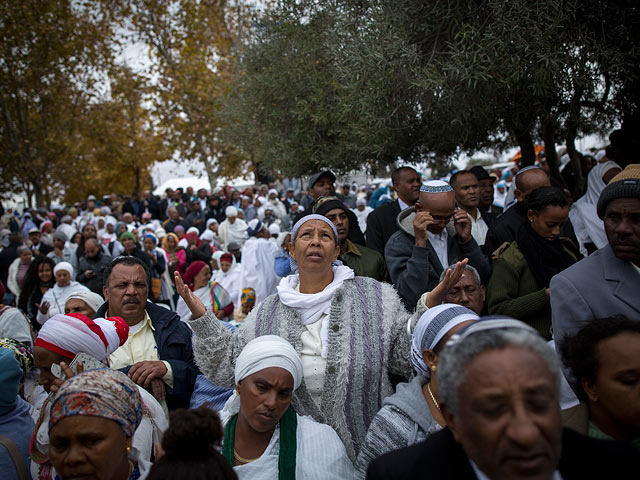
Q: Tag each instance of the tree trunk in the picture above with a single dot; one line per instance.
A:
(526, 148)
(578, 189)
(550, 151)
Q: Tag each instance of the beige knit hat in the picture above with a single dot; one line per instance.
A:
(624, 185)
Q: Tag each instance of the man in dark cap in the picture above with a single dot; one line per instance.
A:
(607, 282)
(364, 261)
(485, 192)
(321, 185)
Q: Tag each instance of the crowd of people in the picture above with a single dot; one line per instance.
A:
(483, 325)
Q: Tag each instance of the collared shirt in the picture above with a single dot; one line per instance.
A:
(403, 205)
(439, 244)
(481, 475)
(636, 267)
(364, 261)
(479, 228)
(140, 346)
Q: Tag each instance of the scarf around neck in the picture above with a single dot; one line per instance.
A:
(545, 258)
(313, 305)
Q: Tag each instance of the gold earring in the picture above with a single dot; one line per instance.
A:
(433, 368)
(128, 450)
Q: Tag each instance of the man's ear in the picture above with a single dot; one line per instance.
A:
(105, 294)
(590, 389)
(484, 292)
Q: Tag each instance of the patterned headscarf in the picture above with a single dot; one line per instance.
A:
(433, 325)
(22, 352)
(248, 296)
(101, 393)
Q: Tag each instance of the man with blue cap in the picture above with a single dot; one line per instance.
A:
(433, 234)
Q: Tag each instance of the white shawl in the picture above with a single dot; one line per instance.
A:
(313, 305)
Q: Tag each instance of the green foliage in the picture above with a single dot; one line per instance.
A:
(346, 84)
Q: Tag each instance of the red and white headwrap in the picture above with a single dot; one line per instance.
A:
(70, 334)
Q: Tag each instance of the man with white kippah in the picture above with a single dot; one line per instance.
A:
(233, 229)
(427, 242)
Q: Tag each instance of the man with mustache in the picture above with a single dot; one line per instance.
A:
(158, 354)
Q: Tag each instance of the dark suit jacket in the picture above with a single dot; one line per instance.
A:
(381, 224)
(173, 338)
(440, 456)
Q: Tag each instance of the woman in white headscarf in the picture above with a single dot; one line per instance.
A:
(413, 413)
(586, 223)
(54, 300)
(264, 437)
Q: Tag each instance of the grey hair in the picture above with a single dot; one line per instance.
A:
(467, 267)
(453, 360)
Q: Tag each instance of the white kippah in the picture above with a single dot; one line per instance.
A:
(436, 186)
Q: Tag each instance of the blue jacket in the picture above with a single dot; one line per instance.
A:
(173, 338)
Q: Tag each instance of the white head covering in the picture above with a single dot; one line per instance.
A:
(274, 229)
(432, 327)
(260, 353)
(193, 230)
(207, 235)
(273, 191)
(436, 186)
(231, 211)
(14, 324)
(583, 214)
(73, 333)
(92, 299)
(63, 266)
(210, 221)
(265, 352)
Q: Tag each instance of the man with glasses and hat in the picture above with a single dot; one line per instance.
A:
(433, 234)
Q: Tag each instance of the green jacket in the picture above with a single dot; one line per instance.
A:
(514, 291)
(365, 262)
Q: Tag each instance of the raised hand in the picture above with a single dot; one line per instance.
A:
(420, 223)
(451, 277)
(462, 225)
(195, 305)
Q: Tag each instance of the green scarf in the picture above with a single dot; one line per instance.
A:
(288, 444)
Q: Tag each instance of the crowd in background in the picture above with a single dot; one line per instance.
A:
(313, 318)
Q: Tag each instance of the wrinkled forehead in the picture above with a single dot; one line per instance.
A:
(312, 226)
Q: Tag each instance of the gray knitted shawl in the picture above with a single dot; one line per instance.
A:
(367, 340)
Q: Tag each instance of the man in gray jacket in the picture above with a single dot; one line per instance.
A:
(427, 242)
(607, 282)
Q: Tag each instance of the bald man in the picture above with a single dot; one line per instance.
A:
(505, 227)
(433, 234)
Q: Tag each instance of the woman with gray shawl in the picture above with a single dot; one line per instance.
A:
(413, 413)
(350, 332)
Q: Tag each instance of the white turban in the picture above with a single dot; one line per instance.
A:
(193, 230)
(70, 334)
(92, 299)
(263, 352)
(231, 211)
(66, 266)
(207, 235)
(273, 191)
(274, 229)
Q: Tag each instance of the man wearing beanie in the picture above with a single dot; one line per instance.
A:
(365, 262)
(606, 283)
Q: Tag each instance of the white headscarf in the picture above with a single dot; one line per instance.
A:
(92, 299)
(73, 333)
(433, 325)
(584, 218)
(14, 324)
(63, 266)
(263, 352)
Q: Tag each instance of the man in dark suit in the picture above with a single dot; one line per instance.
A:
(158, 354)
(498, 388)
(486, 193)
(382, 222)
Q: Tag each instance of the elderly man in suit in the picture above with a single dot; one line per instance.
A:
(607, 282)
(498, 385)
